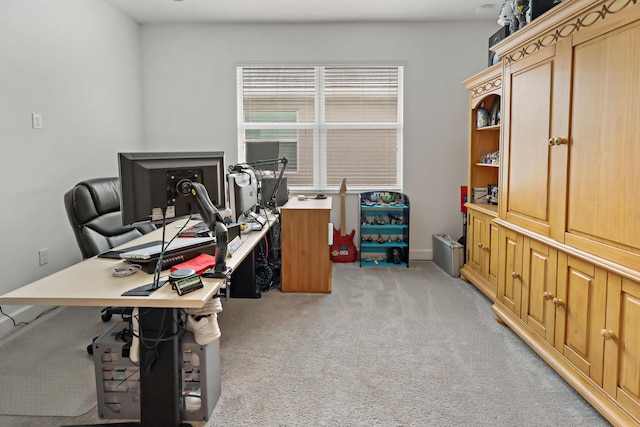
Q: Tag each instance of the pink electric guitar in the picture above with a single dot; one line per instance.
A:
(343, 249)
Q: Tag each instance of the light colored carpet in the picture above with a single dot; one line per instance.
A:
(45, 368)
(388, 347)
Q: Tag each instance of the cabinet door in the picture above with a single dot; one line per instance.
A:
(622, 343)
(491, 253)
(510, 276)
(605, 143)
(526, 184)
(538, 288)
(475, 253)
(529, 85)
(580, 314)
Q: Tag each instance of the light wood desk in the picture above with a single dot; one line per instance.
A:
(90, 283)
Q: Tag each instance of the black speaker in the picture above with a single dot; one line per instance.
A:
(495, 38)
(538, 7)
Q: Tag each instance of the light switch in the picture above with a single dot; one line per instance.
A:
(36, 120)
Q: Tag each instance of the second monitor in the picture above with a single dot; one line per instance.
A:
(243, 194)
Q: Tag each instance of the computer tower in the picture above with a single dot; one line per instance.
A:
(118, 378)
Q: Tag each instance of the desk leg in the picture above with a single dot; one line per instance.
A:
(159, 368)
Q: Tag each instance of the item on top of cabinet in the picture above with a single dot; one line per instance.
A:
(538, 7)
(495, 38)
(520, 8)
(506, 14)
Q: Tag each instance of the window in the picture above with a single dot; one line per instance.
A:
(330, 122)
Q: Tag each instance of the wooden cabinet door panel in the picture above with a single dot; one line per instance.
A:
(475, 254)
(580, 314)
(622, 360)
(539, 287)
(510, 280)
(529, 103)
(492, 254)
(605, 145)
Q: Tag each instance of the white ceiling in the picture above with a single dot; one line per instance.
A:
(303, 11)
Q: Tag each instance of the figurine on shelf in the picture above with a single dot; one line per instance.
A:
(396, 219)
(506, 14)
(495, 114)
(482, 117)
(379, 220)
(380, 238)
(520, 8)
(394, 256)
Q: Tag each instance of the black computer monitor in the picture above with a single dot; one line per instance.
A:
(149, 183)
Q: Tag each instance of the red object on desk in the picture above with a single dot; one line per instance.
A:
(199, 264)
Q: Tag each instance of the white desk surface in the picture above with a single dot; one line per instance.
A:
(90, 283)
(308, 203)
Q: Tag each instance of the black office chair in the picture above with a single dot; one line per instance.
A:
(93, 208)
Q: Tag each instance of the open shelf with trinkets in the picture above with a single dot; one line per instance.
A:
(384, 229)
(485, 97)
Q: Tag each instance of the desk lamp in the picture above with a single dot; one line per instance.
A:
(271, 202)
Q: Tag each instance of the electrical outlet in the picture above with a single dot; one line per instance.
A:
(43, 256)
(36, 120)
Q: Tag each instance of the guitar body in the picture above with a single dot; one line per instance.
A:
(343, 249)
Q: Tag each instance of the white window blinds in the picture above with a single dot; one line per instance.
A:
(330, 122)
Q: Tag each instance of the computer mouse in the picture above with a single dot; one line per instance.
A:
(321, 196)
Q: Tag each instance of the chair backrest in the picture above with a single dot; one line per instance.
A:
(93, 208)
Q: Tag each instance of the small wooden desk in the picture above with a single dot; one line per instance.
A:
(90, 283)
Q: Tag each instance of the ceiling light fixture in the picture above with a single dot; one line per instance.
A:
(484, 9)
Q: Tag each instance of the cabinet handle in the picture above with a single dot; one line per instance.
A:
(558, 141)
(607, 334)
(481, 245)
(515, 275)
(557, 302)
(547, 295)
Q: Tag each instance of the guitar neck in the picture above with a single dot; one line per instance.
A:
(343, 216)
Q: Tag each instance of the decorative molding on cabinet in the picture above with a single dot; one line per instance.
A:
(516, 51)
(486, 87)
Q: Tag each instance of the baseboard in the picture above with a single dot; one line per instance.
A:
(420, 254)
(27, 313)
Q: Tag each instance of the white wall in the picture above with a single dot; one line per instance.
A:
(104, 84)
(190, 96)
(76, 62)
